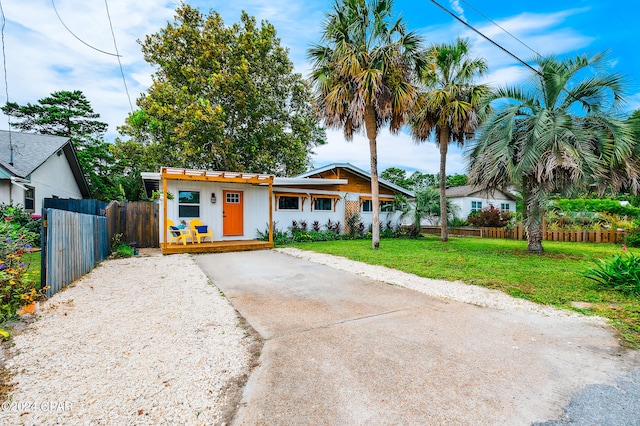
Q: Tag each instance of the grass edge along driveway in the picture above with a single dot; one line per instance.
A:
(553, 278)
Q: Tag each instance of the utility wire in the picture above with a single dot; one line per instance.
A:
(124, 80)
(78, 38)
(486, 38)
(499, 26)
(6, 81)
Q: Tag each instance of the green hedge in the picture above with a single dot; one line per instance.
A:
(596, 205)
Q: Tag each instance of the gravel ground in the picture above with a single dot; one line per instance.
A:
(144, 340)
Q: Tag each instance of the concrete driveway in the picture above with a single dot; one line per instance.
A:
(344, 350)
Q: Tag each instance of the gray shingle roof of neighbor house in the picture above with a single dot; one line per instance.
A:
(31, 150)
(357, 171)
(467, 190)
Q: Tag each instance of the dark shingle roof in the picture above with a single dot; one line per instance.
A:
(31, 150)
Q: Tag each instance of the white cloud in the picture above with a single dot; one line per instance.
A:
(42, 57)
(393, 151)
(455, 5)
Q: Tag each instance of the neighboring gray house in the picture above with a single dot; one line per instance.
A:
(473, 198)
(35, 166)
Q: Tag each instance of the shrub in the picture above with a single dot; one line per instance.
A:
(617, 273)
(490, 217)
(18, 286)
(597, 205)
(632, 239)
(122, 250)
(279, 237)
(333, 226)
(18, 215)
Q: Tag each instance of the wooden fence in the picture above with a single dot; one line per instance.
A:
(137, 221)
(73, 244)
(94, 207)
(518, 233)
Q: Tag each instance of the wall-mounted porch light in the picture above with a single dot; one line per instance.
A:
(213, 198)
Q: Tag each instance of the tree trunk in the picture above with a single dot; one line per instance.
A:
(532, 216)
(372, 131)
(534, 237)
(443, 140)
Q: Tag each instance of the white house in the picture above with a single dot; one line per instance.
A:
(334, 192)
(236, 205)
(473, 198)
(35, 166)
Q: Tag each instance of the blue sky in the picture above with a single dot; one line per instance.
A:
(42, 57)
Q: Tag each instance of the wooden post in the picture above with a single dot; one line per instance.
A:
(271, 209)
(164, 209)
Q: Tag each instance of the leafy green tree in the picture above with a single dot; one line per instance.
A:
(70, 114)
(223, 98)
(457, 180)
(556, 135)
(397, 176)
(420, 181)
(364, 74)
(450, 104)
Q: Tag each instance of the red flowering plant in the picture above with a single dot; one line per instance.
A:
(19, 287)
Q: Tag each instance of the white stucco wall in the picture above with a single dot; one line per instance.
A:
(53, 178)
(5, 191)
(464, 204)
(284, 218)
(255, 207)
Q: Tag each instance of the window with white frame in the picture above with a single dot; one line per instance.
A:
(29, 199)
(189, 203)
(322, 204)
(367, 206)
(504, 207)
(288, 203)
(476, 206)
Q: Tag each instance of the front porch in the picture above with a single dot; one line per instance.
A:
(216, 246)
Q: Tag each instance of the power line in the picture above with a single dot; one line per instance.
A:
(499, 26)
(485, 37)
(124, 80)
(6, 81)
(78, 38)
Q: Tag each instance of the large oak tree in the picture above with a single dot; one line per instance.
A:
(224, 98)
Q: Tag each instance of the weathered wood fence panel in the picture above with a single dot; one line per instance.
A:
(75, 242)
(138, 221)
(588, 236)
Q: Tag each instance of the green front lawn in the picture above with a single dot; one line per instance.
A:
(553, 278)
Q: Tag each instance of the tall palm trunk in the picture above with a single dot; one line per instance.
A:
(534, 231)
(370, 125)
(532, 217)
(443, 140)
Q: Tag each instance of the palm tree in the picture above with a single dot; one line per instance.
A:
(450, 105)
(426, 206)
(364, 75)
(558, 134)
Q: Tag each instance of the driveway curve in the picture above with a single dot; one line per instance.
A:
(343, 349)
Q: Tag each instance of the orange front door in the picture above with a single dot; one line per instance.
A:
(232, 213)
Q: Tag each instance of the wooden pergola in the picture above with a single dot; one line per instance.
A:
(168, 173)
